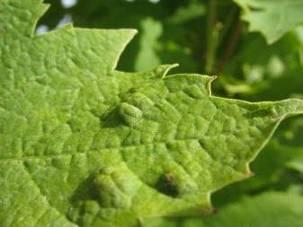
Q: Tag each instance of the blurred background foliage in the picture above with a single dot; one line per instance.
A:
(213, 37)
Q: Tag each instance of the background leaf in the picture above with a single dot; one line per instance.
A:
(268, 209)
(272, 18)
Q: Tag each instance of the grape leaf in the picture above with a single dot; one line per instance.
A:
(272, 18)
(267, 209)
(82, 144)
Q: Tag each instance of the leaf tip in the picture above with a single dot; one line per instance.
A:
(211, 79)
(289, 107)
(163, 70)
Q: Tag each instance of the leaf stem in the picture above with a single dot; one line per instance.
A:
(212, 36)
(229, 22)
(231, 46)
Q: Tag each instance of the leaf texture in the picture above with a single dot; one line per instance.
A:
(82, 144)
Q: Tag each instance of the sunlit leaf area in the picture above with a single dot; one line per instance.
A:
(151, 113)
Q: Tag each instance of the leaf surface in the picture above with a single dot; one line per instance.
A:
(82, 144)
(272, 18)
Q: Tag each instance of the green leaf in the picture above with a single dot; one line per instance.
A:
(267, 209)
(82, 144)
(272, 18)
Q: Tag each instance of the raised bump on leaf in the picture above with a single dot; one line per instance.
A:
(131, 114)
